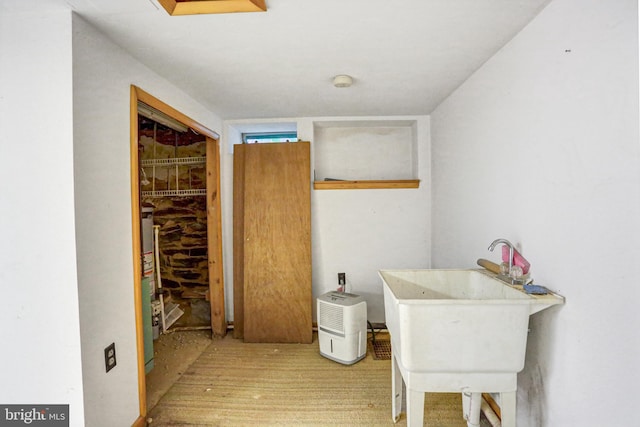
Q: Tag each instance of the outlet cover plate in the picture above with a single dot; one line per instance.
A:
(110, 357)
(342, 279)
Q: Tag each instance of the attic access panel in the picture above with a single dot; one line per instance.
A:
(197, 7)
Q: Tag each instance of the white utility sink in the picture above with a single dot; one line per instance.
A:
(457, 331)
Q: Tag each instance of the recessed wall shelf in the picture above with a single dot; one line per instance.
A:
(365, 154)
(366, 184)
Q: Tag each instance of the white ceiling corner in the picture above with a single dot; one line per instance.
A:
(405, 57)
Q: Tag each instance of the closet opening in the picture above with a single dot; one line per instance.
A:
(177, 242)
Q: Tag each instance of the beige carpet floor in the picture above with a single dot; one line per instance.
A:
(174, 353)
(238, 384)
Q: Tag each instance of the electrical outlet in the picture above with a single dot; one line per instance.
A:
(342, 279)
(110, 356)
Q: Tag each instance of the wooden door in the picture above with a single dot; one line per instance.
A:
(238, 240)
(276, 242)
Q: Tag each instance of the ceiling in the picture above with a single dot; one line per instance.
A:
(405, 56)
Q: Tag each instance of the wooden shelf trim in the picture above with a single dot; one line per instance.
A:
(197, 7)
(366, 184)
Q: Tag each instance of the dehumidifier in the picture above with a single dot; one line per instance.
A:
(342, 327)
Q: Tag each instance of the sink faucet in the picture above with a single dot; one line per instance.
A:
(505, 242)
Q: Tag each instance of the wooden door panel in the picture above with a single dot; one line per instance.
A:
(277, 243)
(238, 241)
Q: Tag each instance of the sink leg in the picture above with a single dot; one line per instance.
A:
(471, 403)
(466, 402)
(415, 408)
(396, 389)
(508, 409)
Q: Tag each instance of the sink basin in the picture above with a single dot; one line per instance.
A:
(457, 320)
(457, 330)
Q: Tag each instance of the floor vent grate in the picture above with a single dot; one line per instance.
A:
(380, 349)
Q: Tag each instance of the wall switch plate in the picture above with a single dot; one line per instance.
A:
(342, 278)
(110, 357)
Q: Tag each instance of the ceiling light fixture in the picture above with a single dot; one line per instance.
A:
(342, 80)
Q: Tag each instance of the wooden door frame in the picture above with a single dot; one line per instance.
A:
(214, 229)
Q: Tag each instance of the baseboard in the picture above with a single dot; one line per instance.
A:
(140, 422)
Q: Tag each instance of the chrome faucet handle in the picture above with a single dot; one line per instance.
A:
(505, 242)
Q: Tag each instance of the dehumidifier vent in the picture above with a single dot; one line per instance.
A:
(342, 327)
(331, 317)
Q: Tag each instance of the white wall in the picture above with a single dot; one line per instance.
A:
(39, 315)
(103, 73)
(357, 232)
(369, 152)
(540, 146)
